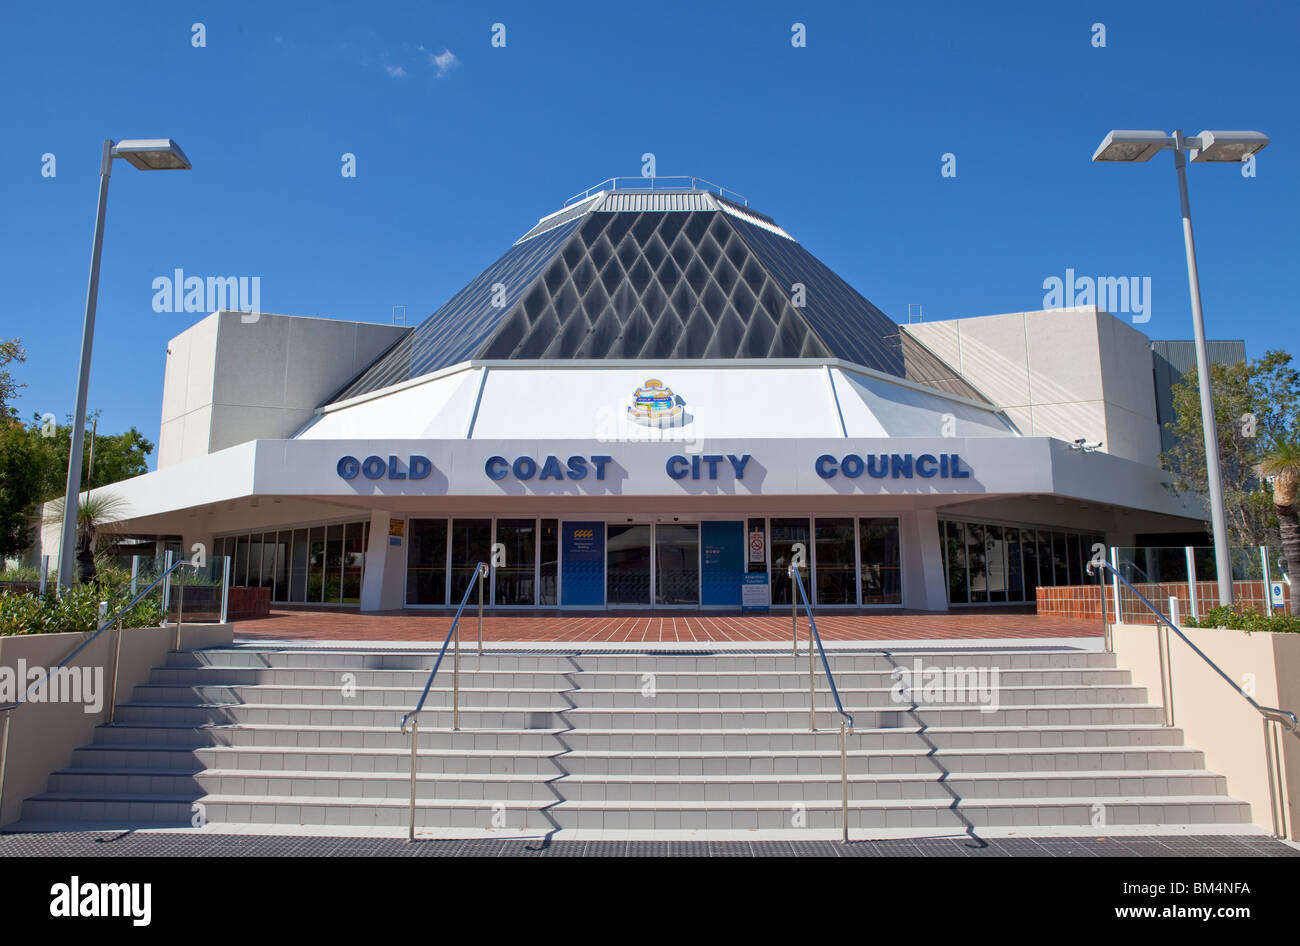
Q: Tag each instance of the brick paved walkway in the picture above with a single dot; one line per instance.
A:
(415, 626)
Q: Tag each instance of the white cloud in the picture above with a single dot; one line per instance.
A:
(442, 62)
(396, 72)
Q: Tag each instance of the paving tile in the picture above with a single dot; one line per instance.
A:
(295, 624)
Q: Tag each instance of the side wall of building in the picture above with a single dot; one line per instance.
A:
(1064, 373)
(229, 381)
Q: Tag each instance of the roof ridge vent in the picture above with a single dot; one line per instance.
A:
(670, 183)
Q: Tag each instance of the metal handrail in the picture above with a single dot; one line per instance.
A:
(413, 717)
(1285, 717)
(105, 626)
(846, 721)
(814, 636)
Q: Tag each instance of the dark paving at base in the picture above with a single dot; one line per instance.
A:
(110, 844)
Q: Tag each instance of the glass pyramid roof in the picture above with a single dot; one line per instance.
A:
(688, 275)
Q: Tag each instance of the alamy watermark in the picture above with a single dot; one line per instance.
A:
(53, 685)
(942, 686)
(181, 293)
(1114, 294)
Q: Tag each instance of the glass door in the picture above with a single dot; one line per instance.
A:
(627, 564)
(677, 563)
(785, 534)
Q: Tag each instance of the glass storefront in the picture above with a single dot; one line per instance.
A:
(321, 564)
(989, 563)
(847, 561)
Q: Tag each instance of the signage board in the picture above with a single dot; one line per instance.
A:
(754, 593)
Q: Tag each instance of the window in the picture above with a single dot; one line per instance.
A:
(1029, 549)
(975, 560)
(471, 543)
(426, 565)
(958, 585)
(833, 555)
(548, 591)
(354, 557)
(880, 561)
(515, 578)
(677, 563)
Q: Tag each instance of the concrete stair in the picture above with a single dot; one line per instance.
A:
(301, 739)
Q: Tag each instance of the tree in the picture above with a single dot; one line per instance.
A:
(10, 351)
(23, 475)
(34, 469)
(1282, 464)
(1256, 404)
(117, 457)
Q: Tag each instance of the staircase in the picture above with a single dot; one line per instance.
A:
(632, 745)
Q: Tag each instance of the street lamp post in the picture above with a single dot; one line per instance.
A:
(1217, 146)
(152, 154)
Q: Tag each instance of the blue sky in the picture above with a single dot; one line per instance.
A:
(841, 141)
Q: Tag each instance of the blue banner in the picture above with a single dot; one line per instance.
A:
(724, 563)
(582, 564)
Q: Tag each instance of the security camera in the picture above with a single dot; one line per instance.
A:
(1087, 446)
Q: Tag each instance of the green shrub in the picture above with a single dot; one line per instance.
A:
(21, 573)
(1246, 619)
(77, 609)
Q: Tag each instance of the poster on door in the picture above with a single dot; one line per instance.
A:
(757, 548)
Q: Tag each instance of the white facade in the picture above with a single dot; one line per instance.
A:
(757, 444)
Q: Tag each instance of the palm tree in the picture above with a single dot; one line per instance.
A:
(96, 513)
(1281, 463)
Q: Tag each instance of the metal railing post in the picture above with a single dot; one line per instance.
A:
(455, 682)
(415, 735)
(4, 758)
(180, 606)
(1268, 582)
(794, 612)
(1275, 769)
(1192, 597)
(844, 781)
(481, 576)
(1166, 697)
(1105, 624)
(1118, 602)
(167, 585)
(225, 587)
(117, 659)
(812, 686)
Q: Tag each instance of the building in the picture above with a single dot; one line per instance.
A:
(657, 398)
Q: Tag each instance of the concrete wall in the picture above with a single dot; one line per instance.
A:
(229, 381)
(1216, 719)
(1064, 373)
(42, 736)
